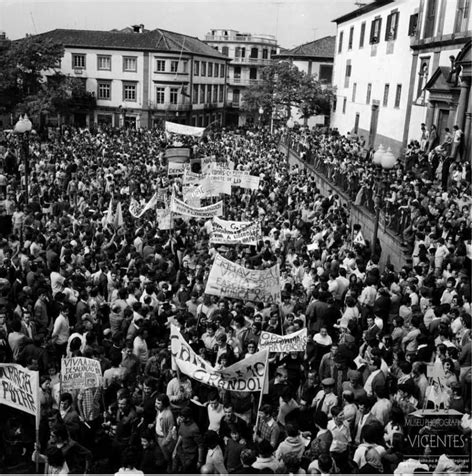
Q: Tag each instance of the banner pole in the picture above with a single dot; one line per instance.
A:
(261, 395)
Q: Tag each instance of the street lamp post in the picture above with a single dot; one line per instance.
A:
(384, 161)
(289, 125)
(260, 112)
(23, 128)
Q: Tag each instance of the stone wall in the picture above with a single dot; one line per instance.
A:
(391, 249)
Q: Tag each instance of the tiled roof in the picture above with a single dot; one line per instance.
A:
(149, 40)
(322, 48)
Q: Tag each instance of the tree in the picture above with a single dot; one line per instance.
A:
(22, 68)
(284, 86)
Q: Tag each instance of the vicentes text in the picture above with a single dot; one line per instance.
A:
(437, 441)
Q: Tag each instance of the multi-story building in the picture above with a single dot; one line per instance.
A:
(315, 58)
(249, 54)
(142, 77)
(441, 73)
(372, 66)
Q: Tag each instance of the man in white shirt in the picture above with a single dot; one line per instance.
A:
(57, 282)
(325, 399)
(61, 331)
(215, 411)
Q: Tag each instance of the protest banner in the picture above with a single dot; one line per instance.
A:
(182, 129)
(243, 179)
(233, 232)
(177, 206)
(80, 373)
(20, 389)
(164, 219)
(137, 210)
(295, 342)
(192, 178)
(228, 279)
(245, 376)
(206, 189)
(178, 153)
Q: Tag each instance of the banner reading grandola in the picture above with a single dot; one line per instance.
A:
(295, 342)
(19, 388)
(245, 376)
(228, 279)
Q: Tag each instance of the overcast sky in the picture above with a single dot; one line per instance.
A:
(292, 21)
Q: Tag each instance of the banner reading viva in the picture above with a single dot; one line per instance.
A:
(295, 342)
(19, 388)
(80, 373)
(245, 376)
(228, 279)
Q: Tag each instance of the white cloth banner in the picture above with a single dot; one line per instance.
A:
(80, 373)
(244, 376)
(164, 219)
(177, 206)
(207, 188)
(228, 279)
(182, 129)
(192, 178)
(19, 388)
(137, 210)
(295, 342)
(233, 232)
(245, 180)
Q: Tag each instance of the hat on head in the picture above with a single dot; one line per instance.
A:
(328, 382)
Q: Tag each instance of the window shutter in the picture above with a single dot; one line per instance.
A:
(413, 24)
(372, 29)
(387, 28)
(395, 27)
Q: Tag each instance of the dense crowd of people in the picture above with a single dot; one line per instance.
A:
(382, 343)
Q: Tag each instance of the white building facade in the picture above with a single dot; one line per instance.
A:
(248, 54)
(141, 77)
(372, 72)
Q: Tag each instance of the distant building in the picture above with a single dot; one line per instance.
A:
(316, 58)
(249, 54)
(142, 77)
(372, 69)
(441, 74)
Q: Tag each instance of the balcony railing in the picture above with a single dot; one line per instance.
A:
(244, 82)
(246, 38)
(260, 61)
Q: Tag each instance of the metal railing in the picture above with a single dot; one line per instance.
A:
(256, 61)
(247, 82)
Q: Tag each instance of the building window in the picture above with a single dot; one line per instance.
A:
(225, 50)
(236, 97)
(129, 92)
(386, 90)
(351, 38)
(398, 95)
(209, 93)
(375, 30)
(369, 93)
(253, 73)
(462, 16)
(160, 66)
(214, 93)
(222, 70)
(430, 18)
(78, 61)
(209, 70)
(202, 95)
(413, 24)
(196, 68)
(160, 95)
(195, 93)
(203, 68)
(174, 66)
(104, 63)
(362, 35)
(221, 92)
(265, 53)
(130, 63)
(392, 26)
(348, 73)
(216, 70)
(174, 95)
(341, 38)
(254, 53)
(422, 79)
(237, 72)
(104, 90)
(354, 92)
(325, 73)
(344, 103)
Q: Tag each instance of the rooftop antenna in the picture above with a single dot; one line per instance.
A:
(33, 21)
